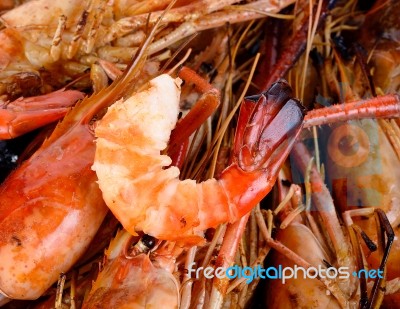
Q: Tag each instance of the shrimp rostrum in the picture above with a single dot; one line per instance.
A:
(147, 195)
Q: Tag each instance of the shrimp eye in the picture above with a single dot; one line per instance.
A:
(148, 241)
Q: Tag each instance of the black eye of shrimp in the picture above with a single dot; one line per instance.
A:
(148, 241)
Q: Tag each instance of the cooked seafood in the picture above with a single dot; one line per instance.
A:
(129, 279)
(301, 292)
(91, 42)
(358, 158)
(128, 160)
(26, 114)
(63, 39)
(58, 202)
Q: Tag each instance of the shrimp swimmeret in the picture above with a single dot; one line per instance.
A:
(146, 196)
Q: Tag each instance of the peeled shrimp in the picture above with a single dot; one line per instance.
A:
(147, 196)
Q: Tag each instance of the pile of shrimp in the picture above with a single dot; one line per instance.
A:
(156, 203)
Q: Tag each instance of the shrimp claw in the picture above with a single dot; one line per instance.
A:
(147, 196)
(26, 114)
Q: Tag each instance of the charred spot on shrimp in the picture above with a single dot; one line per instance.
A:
(16, 240)
(206, 67)
(183, 222)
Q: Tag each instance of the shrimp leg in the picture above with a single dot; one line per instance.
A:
(203, 109)
(26, 114)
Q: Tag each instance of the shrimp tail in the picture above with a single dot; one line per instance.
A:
(268, 126)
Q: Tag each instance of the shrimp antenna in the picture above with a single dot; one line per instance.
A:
(383, 228)
(127, 77)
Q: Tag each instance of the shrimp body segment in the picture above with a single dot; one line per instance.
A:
(147, 196)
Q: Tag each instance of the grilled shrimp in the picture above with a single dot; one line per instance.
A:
(131, 278)
(65, 38)
(52, 198)
(26, 114)
(147, 196)
(363, 156)
(299, 292)
(51, 206)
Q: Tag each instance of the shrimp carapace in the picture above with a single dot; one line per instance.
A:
(147, 196)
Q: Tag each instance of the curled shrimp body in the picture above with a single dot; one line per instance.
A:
(147, 196)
